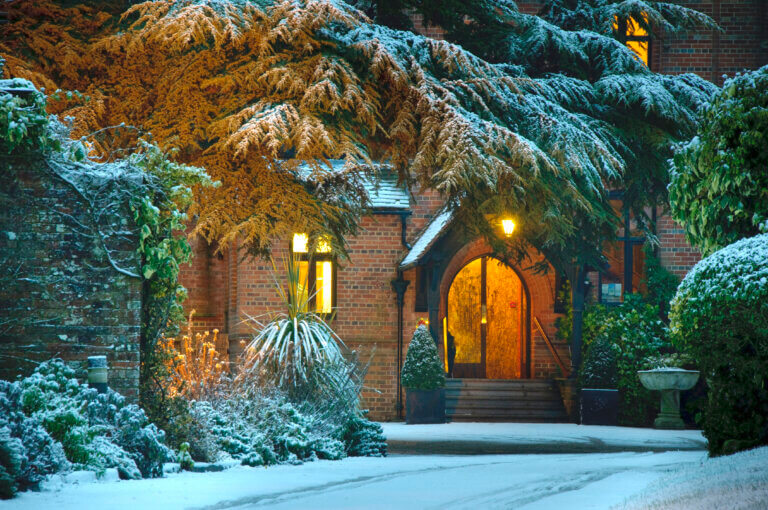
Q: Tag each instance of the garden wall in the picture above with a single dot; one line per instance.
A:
(59, 294)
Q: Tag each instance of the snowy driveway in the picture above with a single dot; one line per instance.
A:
(403, 482)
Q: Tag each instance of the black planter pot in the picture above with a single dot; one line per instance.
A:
(425, 406)
(599, 407)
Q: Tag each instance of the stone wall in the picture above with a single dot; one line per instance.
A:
(59, 295)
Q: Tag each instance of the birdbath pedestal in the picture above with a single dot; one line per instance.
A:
(670, 382)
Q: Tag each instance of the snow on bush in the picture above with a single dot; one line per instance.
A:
(54, 423)
(720, 316)
(422, 369)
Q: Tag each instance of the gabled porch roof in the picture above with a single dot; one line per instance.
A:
(427, 238)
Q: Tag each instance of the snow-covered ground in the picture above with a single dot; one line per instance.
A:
(460, 438)
(735, 482)
(586, 481)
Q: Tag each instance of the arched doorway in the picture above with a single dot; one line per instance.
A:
(488, 319)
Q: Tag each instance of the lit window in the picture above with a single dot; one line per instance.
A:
(300, 242)
(634, 36)
(318, 271)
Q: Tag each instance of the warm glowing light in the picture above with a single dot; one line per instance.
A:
(300, 242)
(508, 226)
(635, 37)
(323, 245)
(445, 342)
(324, 296)
(484, 317)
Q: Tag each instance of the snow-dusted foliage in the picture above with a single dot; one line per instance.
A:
(61, 423)
(720, 177)
(422, 369)
(540, 130)
(720, 316)
(364, 438)
(265, 431)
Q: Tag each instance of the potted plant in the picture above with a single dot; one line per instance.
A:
(424, 380)
(598, 377)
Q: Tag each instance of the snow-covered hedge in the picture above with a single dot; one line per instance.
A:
(49, 422)
(720, 316)
(422, 369)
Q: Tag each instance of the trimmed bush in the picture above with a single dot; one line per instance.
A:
(599, 368)
(422, 369)
(636, 331)
(720, 317)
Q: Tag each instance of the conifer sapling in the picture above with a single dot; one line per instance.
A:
(422, 369)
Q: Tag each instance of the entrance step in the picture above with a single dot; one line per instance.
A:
(524, 400)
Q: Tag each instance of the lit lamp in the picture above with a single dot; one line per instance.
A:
(508, 226)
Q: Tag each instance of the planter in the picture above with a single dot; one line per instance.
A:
(670, 382)
(599, 407)
(425, 406)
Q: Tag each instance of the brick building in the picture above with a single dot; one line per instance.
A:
(411, 263)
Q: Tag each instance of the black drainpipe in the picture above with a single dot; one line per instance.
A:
(399, 285)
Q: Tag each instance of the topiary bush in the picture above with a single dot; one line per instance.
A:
(422, 369)
(600, 365)
(635, 330)
(720, 317)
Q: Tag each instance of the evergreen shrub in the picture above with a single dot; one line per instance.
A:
(54, 423)
(599, 368)
(636, 331)
(422, 369)
(719, 178)
(720, 317)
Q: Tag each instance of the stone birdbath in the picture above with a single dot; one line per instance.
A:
(670, 382)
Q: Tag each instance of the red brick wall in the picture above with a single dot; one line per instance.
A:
(674, 251)
(710, 54)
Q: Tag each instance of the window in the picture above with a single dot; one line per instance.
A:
(318, 271)
(634, 36)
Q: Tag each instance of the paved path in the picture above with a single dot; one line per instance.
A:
(515, 438)
(399, 482)
(623, 465)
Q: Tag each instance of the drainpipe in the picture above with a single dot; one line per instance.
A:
(399, 285)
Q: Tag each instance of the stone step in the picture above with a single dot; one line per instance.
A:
(502, 404)
(534, 400)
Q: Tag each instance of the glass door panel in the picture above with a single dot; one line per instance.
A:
(464, 318)
(504, 296)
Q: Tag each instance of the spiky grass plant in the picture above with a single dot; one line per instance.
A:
(296, 345)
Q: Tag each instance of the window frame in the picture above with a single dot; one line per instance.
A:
(622, 31)
(312, 259)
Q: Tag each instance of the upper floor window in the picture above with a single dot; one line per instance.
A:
(317, 273)
(634, 36)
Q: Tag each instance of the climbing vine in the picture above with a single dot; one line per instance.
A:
(143, 184)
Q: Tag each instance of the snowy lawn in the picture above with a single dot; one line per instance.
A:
(735, 482)
(426, 481)
(513, 438)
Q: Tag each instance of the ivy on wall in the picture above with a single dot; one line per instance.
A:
(139, 200)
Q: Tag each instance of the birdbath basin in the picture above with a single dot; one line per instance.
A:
(670, 382)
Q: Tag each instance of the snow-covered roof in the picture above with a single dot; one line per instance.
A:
(427, 238)
(383, 190)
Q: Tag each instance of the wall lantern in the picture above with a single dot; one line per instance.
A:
(508, 226)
